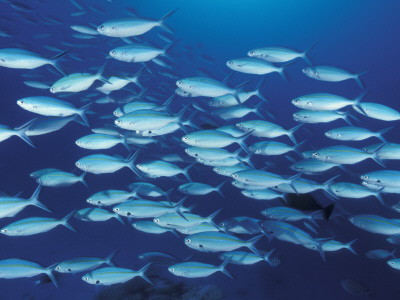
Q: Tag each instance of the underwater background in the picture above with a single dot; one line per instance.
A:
(353, 35)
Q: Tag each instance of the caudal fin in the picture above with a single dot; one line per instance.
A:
(293, 130)
(350, 248)
(251, 244)
(224, 270)
(54, 62)
(34, 199)
(82, 113)
(20, 131)
(49, 272)
(141, 273)
(163, 18)
(65, 221)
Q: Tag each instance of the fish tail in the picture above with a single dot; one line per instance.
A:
(327, 184)
(267, 255)
(251, 244)
(309, 226)
(211, 217)
(118, 217)
(141, 273)
(257, 92)
(291, 131)
(297, 146)
(135, 78)
(357, 77)
(34, 199)
(218, 189)
(257, 110)
(125, 144)
(163, 18)
(350, 248)
(186, 170)
(375, 157)
(130, 163)
(20, 131)
(379, 196)
(383, 132)
(357, 101)
(82, 112)
(241, 141)
(178, 206)
(110, 257)
(167, 194)
(66, 219)
(392, 253)
(305, 54)
(54, 63)
(99, 74)
(292, 179)
(223, 269)
(49, 272)
(82, 179)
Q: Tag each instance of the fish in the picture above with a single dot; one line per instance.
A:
(199, 189)
(77, 82)
(60, 179)
(354, 191)
(45, 125)
(325, 101)
(341, 154)
(378, 111)
(185, 219)
(263, 194)
(11, 206)
(159, 168)
(24, 59)
(274, 54)
(192, 269)
(334, 245)
(137, 53)
(49, 106)
(261, 128)
(132, 27)
(380, 254)
(116, 83)
(113, 275)
(332, 74)
(35, 225)
(273, 148)
(210, 241)
(356, 288)
(110, 197)
(247, 258)
(102, 163)
(386, 178)
(376, 224)
(355, 134)
(288, 214)
(20, 268)
(151, 227)
(252, 65)
(84, 29)
(82, 264)
(7, 132)
(96, 214)
(98, 141)
(158, 258)
(320, 116)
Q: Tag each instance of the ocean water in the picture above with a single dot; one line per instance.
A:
(354, 35)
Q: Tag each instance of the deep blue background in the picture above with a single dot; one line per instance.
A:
(352, 35)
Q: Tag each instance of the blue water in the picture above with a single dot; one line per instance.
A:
(350, 34)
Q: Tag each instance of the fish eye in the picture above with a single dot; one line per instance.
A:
(187, 150)
(183, 273)
(141, 256)
(118, 121)
(139, 165)
(52, 90)
(316, 73)
(77, 163)
(295, 115)
(230, 62)
(179, 82)
(134, 225)
(306, 70)
(296, 101)
(217, 169)
(4, 230)
(86, 278)
(328, 133)
(113, 52)
(351, 219)
(185, 138)
(172, 269)
(101, 27)
(252, 53)
(58, 268)
(188, 241)
(116, 209)
(235, 175)
(157, 220)
(239, 125)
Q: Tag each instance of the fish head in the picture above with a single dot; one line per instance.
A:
(302, 102)
(53, 89)
(356, 221)
(192, 243)
(182, 93)
(5, 231)
(242, 126)
(107, 29)
(185, 85)
(172, 269)
(79, 143)
(119, 54)
(187, 139)
(311, 72)
(300, 116)
(90, 279)
(24, 103)
(120, 122)
(392, 262)
(118, 112)
(329, 134)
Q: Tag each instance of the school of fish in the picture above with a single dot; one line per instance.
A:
(176, 114)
